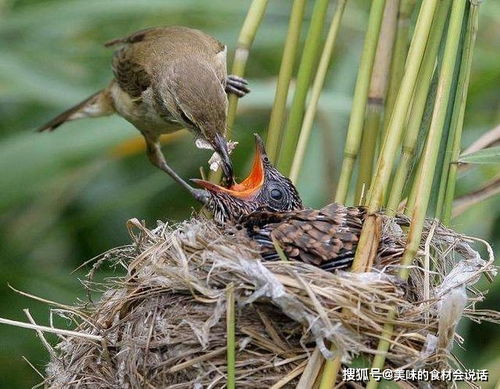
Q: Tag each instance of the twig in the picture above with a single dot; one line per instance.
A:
(290, 376)
(463, 203)
(33, 367)
(311, 370)
(488, 139)
(50, 329)
(40, 335)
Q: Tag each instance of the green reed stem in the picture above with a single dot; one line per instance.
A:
(231, 337)
(245, 40)
(274, 133)
(420, 100)
(329, 375)
(401, 107)
(392, 140)
(399, 55)
(317, 87)
(424, 180)
(304, 75)
(376, 99)
(459, 109)
(356, 120)
(438, 190)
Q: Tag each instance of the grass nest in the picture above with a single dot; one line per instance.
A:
(163, 324)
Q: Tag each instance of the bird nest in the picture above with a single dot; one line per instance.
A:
(163, 324)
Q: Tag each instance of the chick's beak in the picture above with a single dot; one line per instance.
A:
(220, 146)
(260, 150)
(250, 186)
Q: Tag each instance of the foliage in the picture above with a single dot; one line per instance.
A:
(65, 197)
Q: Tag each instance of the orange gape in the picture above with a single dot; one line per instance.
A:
(248, 187)
(253, 181)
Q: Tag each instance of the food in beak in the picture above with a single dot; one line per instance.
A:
(216, 161)
(249, 186)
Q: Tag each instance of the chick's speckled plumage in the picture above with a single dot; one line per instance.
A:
(277, 194)
(273, 214)
(326, 238)
(264, 189)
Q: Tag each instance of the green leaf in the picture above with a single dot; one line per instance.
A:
(490, 155)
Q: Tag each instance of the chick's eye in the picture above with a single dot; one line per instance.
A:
(276, 194)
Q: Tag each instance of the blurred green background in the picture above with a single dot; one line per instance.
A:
(65, 196)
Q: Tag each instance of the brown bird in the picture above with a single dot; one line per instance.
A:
(166, 79)
(266, 207)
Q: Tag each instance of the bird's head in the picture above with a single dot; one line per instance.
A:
(194, 95)
(264, 188)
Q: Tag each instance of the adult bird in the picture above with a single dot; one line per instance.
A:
(267, 208)
(166, 79)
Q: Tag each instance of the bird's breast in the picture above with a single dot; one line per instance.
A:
(142, 112)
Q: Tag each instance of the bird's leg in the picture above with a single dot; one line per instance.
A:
(237, 85)
(157, 158)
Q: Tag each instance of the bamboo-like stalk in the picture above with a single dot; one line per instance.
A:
(376, 98)
(420, 99)
(368, 242)
(412, 196)
(368, 149)
(426, 122)
(396, 123)
(399, 55)
(459, 110)
(392, 137)
(353, 139)
(231, 338)
(248, 31)
(284, 77)
(423, 182)
(317, 87)
(395, 129)
(329, 375)
(444, 155)
(245, 40)
(304, 75)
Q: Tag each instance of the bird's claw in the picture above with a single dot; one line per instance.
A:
(237, 85)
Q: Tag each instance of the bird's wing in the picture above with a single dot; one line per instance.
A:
(326, 238)
(141, 35)
(129, 71)
(132, 64)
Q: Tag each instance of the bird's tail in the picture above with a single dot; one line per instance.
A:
(99, 104)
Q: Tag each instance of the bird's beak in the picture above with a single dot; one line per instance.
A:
(250, 186)
(220, 145)
(260, 150)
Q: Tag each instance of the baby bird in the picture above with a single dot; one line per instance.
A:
(267, 208)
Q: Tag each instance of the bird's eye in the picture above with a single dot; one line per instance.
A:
(276, 194)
